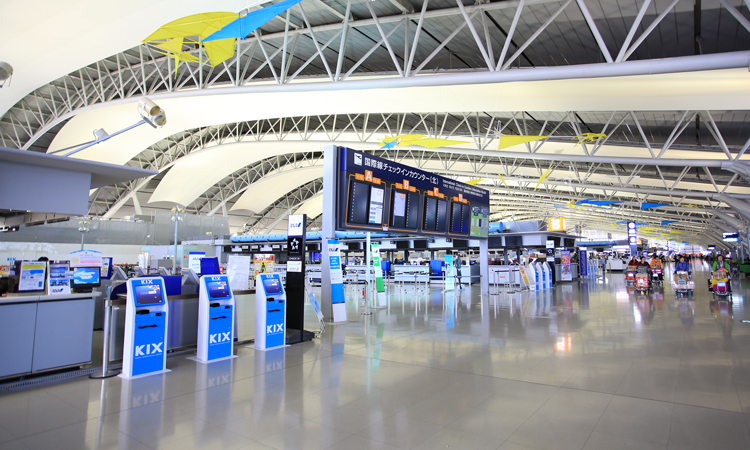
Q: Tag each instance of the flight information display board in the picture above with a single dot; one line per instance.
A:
(378, 194)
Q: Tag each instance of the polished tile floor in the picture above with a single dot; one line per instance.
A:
(587, 366)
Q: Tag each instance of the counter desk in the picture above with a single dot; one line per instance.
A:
(45, 332)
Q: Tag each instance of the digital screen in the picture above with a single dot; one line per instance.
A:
(731, 237)
(147, 294)
(359, 195)
(430, 209)
(398, 218)
(272, 285)
(480, 218)
(412, 210)
(376, 205)
(402, 245)
(441, 221)
(455, 217)
(218, 290)
(86, 276)
(513, 241)
(58, 271)
(465, 217)
(420, 244)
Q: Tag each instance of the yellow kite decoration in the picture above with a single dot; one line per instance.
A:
(510, 141)
(541, 179)
(474, 182)
(171, 37)
(589, 137)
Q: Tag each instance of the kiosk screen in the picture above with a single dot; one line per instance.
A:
(359, 194)
(376, 205)
(465, 218)
(430, 208)
(399, 209)
(218, 290)
(441, 222)
(148, 294)
(272, 285)
(85, 277)
(456, 217)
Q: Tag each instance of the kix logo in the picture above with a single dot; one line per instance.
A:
(275, 328)
(218, 338)
(149, 349)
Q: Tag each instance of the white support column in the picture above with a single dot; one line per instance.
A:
(328, 227)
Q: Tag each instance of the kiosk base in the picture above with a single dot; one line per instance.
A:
(297, 336)
(267, 349)
(196, 359)
(122, 375)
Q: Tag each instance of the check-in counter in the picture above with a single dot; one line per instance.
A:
(183, 321)
(410, 274)
(45, 332)
(616, 265)
(356, 273)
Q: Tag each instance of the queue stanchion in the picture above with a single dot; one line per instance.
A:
(105, 344)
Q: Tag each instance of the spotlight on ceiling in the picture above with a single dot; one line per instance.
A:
(99, 133)
(6, 72)
(152, 113)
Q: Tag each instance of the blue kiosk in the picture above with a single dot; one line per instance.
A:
(270, 312)
(215, 319)
(145, 345)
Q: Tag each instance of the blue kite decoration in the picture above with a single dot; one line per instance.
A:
(588, 200)
(645, 206)
(243, 26)
(667, 222)
(603, 202)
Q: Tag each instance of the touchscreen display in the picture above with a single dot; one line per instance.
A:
(86, 275)
(218, 290)
(148, 294)
(272, 285)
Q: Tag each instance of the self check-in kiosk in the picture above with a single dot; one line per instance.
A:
(270, 312)
(540, 282)
(215, 319)
(145, 345)
(547, 275)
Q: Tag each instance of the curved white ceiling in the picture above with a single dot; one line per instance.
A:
(262, 194)
(46, 39)
(196, 173)
(707, 90)
(193, 175)
(313, 207)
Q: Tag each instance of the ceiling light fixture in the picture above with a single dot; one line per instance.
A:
(150, 113)
(6, 72)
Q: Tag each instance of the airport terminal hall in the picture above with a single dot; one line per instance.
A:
(375, 224)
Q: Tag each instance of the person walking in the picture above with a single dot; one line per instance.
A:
(457, 264)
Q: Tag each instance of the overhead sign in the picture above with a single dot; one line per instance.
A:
(378, 194)
(557, 224)
(730, 237)
(85, 258)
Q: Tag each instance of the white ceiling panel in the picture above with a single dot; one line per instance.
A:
(261, 195)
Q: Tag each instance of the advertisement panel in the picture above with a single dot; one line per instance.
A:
(566, 273)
